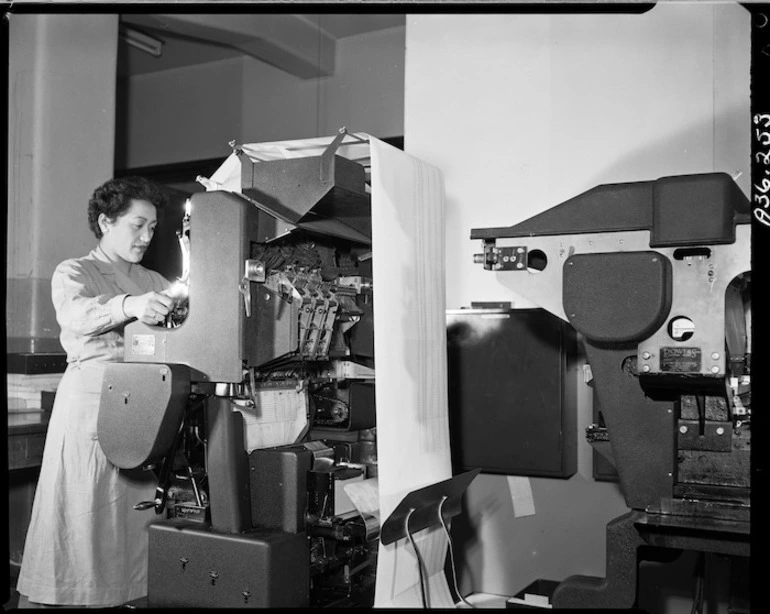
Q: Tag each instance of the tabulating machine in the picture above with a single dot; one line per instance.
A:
(655, 277)
(270, 344)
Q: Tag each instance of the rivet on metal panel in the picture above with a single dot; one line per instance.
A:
(715, 355)
(683, 429)
(646, 368)
(646, 355)
(715, 369)
(720, 431)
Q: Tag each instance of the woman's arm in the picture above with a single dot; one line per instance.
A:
(78, 305)
(80, 308)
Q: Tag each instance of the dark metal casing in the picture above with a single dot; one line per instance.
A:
(193, 566)
(512, 392)
(137, 424)
(221, 332)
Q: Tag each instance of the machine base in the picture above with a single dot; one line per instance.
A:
(191, 565)
(625, 537)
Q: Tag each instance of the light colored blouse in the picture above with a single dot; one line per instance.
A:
(88, 295)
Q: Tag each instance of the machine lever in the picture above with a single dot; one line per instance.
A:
(164, 477)
(244, 289)
(144, 505)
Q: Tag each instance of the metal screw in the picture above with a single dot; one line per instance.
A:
(184, 561)
(646, 368)
(519, 265)
(646, 355)
(715, 369)
(683, 429)
(715, 356)
(520, 250)
(720, 431)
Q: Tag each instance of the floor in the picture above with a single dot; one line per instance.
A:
(14, 600)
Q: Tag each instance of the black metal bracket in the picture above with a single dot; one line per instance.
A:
(427, 507)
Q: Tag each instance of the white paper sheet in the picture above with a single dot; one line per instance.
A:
(410, 358)
(521, 496)
(278, 417)
(365, 496)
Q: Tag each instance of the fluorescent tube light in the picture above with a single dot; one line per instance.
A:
(139, 40)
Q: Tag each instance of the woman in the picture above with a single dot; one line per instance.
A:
(86, 545)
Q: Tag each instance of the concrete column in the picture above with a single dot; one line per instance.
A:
(61, 112)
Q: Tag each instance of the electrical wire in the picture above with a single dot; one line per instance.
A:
(419, 560)
(451, 554)
(697, 598)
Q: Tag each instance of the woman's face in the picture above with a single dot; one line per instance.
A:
(128, 236)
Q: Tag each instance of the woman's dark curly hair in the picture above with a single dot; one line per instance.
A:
(113, 198)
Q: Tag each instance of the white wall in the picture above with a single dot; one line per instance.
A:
(182, 114)
(192, 113)
(522, 112)
(367, 92)
(61, 103)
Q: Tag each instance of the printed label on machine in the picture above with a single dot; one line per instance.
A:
(680, 360)
(143, 345)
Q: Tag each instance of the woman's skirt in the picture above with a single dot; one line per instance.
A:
(85, 544)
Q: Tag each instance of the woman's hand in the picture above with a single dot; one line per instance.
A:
(151, 308)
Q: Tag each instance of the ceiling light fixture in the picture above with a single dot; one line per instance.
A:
(140, 40)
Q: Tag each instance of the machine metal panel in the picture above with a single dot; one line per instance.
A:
(326, 193)
(711, 203)
(603, 309)
(512, 402)
(192, 566)
(278, 478)
(137, 424)
(212, 339)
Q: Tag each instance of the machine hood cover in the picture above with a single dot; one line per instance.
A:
(320, 185)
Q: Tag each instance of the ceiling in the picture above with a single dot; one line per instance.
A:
(301, 44)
